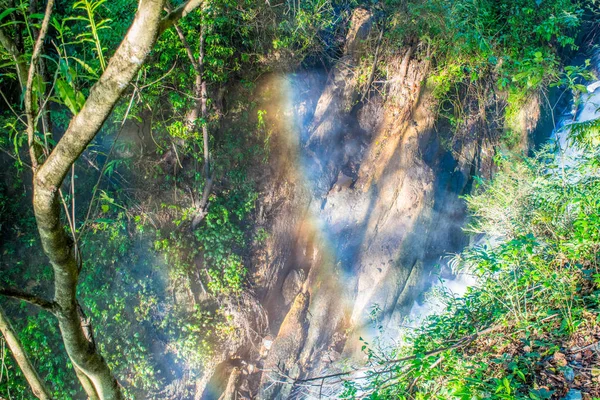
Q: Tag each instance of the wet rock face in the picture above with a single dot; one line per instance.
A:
(361, 205)
(343, 182)
(292, 285)
(332, 141)
(281, 361)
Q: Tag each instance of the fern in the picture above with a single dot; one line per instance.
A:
(585, 135)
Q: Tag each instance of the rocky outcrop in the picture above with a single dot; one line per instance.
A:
(332, 141)
(292, 285)
(231, 392)
(281, 363)
(376, 243)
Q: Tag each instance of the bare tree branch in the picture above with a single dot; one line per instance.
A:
(187, 47)
(11, 47)
(38, 387)
(34, 150)
(200, 110)
(460, 343)
(177, 14)
(47, 305)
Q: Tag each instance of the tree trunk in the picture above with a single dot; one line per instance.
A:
(201, 104)
(11, 47)
(203, 109)
(199, 110)
(89, 365)
(37, 385)
(91, 368)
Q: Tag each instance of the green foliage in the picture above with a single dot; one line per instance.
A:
(38, 332)
(585, 134)
(219, 240)
(126, 296)
(122, 289)
(73, 100)
(535, 288)
(127, 289)
(299, 32)
(229, 41)
(112, 316)
(481, 46)
(221, 234)
(571, 79)
(91, 34)
(80, 35)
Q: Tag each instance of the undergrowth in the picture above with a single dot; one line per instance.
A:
(525, 330)
(487, 58)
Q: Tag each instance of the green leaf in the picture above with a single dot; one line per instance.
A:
(80, 100)
(85, 66)
(6, 12)
(67, 95)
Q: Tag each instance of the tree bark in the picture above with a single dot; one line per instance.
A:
(34, 148)
(199, 110)
(47, 305)
(11, 47)
(35, 382)
(203, 97)
(91, 368)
